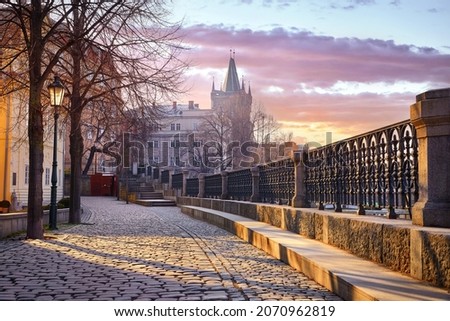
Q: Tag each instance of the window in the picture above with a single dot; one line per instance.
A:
(172, 126)
(174, 143)
(14, 179)
(27, 174)
(178, 126)
(156, 144)
(47, 176)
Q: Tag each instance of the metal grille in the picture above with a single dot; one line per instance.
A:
(192, 189)
(177, 181)
(213, 186)
(277, 181)
(165, 176)
(375, 170)
(240, 184)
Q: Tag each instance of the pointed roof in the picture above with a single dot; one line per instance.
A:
(231, 80)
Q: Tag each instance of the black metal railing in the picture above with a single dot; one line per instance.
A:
(165, 176)
(177, 181)
(192, 187)
(373, 170)
(155, 173)
(240, 184)
(213, 186)
(277, 181)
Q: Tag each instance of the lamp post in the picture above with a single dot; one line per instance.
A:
(56, 93)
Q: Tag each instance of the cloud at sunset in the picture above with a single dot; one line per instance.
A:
(313, 83)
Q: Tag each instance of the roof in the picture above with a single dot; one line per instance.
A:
(231, 80)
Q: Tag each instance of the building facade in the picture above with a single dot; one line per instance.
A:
(14, 155)
(183, 137)
(178, 137)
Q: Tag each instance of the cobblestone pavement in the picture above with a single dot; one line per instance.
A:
(130, 252)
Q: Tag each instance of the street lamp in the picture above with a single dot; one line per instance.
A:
(56, 92)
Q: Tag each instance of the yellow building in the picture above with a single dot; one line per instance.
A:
(14, 145)
(14, 155)
(5, 146)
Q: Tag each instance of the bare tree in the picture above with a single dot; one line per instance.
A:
(134, 63)
(215, 132)
(100, 128)
(25, 32)
(265, 127)
(53, 36)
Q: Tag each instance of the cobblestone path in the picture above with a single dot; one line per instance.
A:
(130, 252)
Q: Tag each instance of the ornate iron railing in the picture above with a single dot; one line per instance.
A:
(213, 186)
(240, 184)
(165, 176)
(277, 181)
(192, 187)
(155, 173)
(177, 181)
(374, 170)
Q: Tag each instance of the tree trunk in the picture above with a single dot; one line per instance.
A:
(76, 152)
(76, 108)
(89, 161)
(35, 228)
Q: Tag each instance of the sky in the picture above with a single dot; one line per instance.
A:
(338, 66)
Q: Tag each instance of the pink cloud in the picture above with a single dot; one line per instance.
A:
(291, 60)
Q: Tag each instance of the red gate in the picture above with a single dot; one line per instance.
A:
(103, 185)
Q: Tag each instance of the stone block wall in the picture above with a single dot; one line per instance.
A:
(12, 223)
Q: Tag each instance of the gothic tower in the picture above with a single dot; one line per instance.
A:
(235, 102)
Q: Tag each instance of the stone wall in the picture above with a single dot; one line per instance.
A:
(17, 222)
(421, 252)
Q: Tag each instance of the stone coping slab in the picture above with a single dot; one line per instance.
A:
(347, 275)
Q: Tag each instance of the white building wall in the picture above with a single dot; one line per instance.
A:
(181, 121)
(20, 159)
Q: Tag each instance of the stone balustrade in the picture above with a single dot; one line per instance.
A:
(399, 167)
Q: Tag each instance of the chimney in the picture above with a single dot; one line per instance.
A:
(191, 104)
(196, 106)
(174, 105)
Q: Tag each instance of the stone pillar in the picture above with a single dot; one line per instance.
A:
(201, 186)
(185, 177)
(255, 184)
(299, 199)
(224, 175)
(430, 116)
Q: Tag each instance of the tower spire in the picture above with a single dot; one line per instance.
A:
(231, 82)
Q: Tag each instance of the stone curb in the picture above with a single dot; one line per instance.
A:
(348, 276)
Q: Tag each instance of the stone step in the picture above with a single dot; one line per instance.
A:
(146, 189)
(155, 202)
(150, 195)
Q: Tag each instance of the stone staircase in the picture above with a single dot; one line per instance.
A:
(147, 196)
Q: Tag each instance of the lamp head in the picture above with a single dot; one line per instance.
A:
(56, 92)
